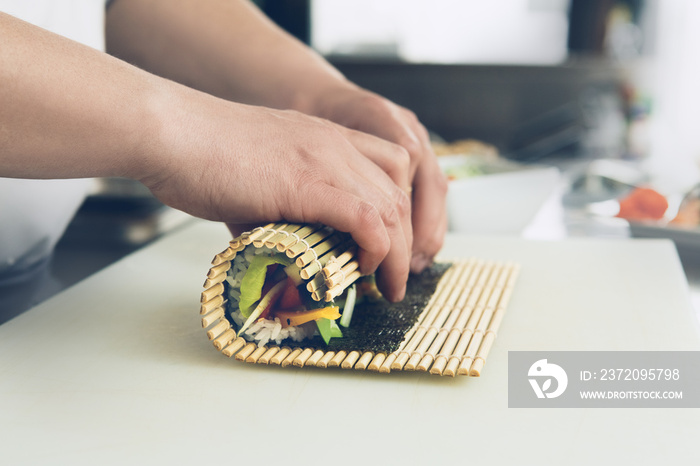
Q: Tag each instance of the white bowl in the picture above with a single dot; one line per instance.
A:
(503, 199)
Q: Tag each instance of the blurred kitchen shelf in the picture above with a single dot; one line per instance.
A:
(118, 218)
(121, 222)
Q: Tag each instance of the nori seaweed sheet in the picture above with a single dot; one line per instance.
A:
(380, 326)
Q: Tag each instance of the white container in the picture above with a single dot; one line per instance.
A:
(502, 198)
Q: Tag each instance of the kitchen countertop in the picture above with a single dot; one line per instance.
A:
(117, 370)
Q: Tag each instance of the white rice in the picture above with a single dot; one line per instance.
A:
(265, 330)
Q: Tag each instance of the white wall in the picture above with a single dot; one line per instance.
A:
(445, 31)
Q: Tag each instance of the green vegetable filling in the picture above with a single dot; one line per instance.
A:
(254, 279)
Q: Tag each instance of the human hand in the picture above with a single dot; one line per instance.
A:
(362, 110)
(243, 164)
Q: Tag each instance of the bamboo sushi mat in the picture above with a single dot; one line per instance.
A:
(453, 335)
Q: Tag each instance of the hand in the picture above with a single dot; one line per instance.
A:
(243, 164)
(362, 110)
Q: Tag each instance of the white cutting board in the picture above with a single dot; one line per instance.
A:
(117, 370)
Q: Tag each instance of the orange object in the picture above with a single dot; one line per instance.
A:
(643, 204)
(292, 319)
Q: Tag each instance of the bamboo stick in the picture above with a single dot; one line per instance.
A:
(248, 237)
(209, 282)
(482, 354)
(399, 361)
(219, 269)
(350, 360)
(260, 241)
(465, 365)
(377, 362)
(315, 284)
(310, 270)
(477, 367)
(211, 293)
(234, 347)
(470, 354)
(224, 339)
(306, 243)
(297, 236)
(224, 256)
(337, 359)
(340, 276)
(439, 365)
(218, 329)
(337, 290)
(318, 250)
(326, 359)
(335, 263)
(281, 234)
(280, 356)
(364, 361)
(212, 317)
(318, 295)
(265, 358)
(210, 305)
(300, 360)
(246, 351)
(257, 354)
(386, 366)
(307, 258)
(315, 358)
(291, 357)
(316, 266)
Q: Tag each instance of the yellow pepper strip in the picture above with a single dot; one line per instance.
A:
(294, 318)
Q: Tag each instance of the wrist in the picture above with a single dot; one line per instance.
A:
(152, 146)
(318, 100)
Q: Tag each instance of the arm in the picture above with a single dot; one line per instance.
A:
(69, 111)
(229, 49)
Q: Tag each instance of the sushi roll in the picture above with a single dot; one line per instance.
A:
(290, 294)
(291, 282)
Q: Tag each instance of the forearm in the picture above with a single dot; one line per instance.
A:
(69, 111)
(224, 47)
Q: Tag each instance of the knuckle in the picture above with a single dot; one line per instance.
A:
(398, 164)
(390, 215)
(410, 114)
(376, 102)
(369, 219)
(402, 157)
(403, 204)
(413, 147)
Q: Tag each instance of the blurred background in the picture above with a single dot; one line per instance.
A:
(549, 113)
